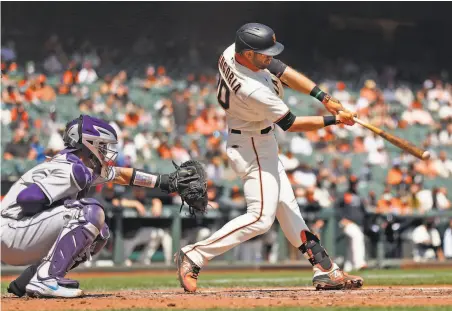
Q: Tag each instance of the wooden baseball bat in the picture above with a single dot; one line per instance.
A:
(397, 141)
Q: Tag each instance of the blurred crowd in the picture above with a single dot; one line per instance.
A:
(160, 117)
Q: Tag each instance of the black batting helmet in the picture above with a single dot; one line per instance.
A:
(258, 38)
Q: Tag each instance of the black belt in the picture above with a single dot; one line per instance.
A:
(264, 131)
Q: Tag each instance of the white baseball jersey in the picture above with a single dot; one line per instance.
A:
(63, 177)
(252, 100)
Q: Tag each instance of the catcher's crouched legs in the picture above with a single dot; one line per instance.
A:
(73, 243)
(17, 287)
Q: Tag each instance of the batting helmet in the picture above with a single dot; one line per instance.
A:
(258, 38)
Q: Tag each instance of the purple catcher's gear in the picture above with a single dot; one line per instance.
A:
(95, 137)
(75, 241)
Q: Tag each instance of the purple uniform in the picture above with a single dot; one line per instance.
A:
(46, 218)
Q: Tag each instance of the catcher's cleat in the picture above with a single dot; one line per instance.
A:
(336, 279)
(187, 272)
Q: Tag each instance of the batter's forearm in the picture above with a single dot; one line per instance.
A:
(297, 81)
(306, 124)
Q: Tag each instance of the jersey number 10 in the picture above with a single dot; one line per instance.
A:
(223, 94)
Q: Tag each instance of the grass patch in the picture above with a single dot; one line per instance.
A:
(260, 279)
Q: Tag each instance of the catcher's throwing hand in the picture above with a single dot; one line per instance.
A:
(190, 182)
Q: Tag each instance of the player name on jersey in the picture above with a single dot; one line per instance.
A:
(229, 75)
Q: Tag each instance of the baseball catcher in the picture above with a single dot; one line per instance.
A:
(49, 224)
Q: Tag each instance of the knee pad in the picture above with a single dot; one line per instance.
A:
(314, 251)
(93, 211)
(95, 215)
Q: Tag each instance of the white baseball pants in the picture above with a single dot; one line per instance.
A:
(356, 252)
(268, 193)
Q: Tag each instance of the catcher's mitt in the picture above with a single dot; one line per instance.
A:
(190, 182)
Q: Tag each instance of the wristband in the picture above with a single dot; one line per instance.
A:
(329, 120)
(317, 93)
(143, 179)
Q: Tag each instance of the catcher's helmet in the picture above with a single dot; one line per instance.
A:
(259, 38)
(97, 138)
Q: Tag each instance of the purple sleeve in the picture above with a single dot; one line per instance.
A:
(32, 200)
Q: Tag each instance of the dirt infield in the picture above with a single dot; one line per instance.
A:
(240, 298)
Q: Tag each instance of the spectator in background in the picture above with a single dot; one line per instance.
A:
(388, 204)
(142, 141)
(52, 64)
(358, 144)
(404, 95)
(443, 165)
(87, 75)
(8, 51)
(19, 117)
(178, 152)
(288, 160)
(352, 215)
(373, 142)
(445, 113)
(164, 114)
(397, 177)
(164, 151)
(447, 241)
(343, 95)
(370, 91)
(129, 150)
(426, 168)
(181, 112)
(440, 200)
(19, 147)
(205, 124)
(215, 170)
(445, 136)
(299, 144)
(44, 92)
(11, 95)
(439, 94)
(194, 150)
(238, 197)
(304, 176)
(213, 196)
(427, 242)
(69, 80)
(416, 115)
(378, 157)
(150, 237)
(38, 149)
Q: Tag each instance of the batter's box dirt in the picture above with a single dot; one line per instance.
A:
(240, 298)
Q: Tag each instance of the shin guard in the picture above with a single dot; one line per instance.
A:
(314, 251)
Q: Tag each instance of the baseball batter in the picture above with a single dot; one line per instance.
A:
(49, 224)
(250, 91)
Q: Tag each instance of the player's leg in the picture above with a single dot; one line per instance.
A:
(31, 238)
(357, 245)
(255, 162)
(152, 245)
(327, 274)
(74, 243)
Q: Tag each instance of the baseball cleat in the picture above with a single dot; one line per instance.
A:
(336, 279)
(51, 289)
(187, 272)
